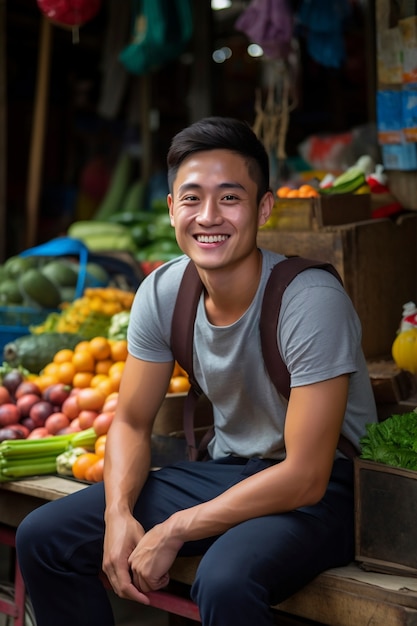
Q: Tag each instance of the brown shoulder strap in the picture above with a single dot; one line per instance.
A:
(281, 276)
(182, 337)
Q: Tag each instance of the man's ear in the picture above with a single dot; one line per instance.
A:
(265, 208)
(170, 204)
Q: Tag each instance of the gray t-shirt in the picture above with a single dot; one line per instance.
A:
(319, 336)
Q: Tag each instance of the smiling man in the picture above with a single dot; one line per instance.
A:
(273, 505)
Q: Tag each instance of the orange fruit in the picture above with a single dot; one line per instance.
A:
(66, 371)
(107, 386)
(115, 374)
(98, 378)
(44, 381)
(282, 192)
(90, 398)
(63, 356)
(82, 379)
(82, 346)
(51, 369)
(293, 193)
(119, 350)
(307, 191)
(100, 348)
(117, 367)
(83, 361)
(82, 463)
(102, 367)
(179, 384)
(95, 472)
(100, 445)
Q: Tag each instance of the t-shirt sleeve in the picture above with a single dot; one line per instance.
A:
(319, 333)
(149, 331)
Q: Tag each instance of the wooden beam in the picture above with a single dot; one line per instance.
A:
(38, 134)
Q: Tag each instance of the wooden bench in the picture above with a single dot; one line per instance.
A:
(346, 596)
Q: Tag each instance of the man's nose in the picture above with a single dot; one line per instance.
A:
(209, 212)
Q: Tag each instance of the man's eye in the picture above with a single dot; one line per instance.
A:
(230, 197)
(190, 199)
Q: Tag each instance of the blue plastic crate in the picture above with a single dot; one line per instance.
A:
(16, 320)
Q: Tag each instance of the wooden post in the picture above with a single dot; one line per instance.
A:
(3, 131)
(145, 126)
(38, 134)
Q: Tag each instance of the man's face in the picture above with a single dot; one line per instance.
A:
(214, 208)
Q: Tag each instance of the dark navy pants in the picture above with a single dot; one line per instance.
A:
(244, 571)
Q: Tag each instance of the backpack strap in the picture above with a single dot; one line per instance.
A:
(281, 276)
(182, 339)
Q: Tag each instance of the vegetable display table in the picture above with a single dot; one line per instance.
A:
(346, 596)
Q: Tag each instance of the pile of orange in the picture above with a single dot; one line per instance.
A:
(96, 363)
(90, 465)
(304, 191)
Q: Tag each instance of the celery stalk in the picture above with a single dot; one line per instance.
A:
(84, 439)
(35, 447)
(34, 468)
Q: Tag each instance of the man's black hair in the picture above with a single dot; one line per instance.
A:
(221, 133)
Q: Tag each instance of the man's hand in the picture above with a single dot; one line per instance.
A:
(120, 539)
(151, 560)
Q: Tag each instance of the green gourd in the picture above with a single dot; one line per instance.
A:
(39, 289)
(33, 352)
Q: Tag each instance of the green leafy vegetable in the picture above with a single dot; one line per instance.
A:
(392, 441)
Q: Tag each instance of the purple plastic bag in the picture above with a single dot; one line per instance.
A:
(269, 23)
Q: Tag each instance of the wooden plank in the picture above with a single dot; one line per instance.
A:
(45, 487)
(346, 609)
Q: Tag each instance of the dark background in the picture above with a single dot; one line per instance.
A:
(79, 139)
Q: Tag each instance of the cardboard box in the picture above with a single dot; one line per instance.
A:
(400, 156)
(385, 518)
(314, 213)
(377, 260)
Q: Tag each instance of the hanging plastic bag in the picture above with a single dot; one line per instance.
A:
(269, 23)
(322, 22)
(161, 31)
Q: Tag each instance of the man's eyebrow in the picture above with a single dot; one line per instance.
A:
(226, 185)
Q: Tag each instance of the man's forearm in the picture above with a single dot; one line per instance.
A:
(274, 490)
(127, 464)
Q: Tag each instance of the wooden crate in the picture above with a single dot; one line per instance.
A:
(377, 260)
(314, 213)
(385, 518)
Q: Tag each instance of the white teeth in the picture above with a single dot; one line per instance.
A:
(211, 238)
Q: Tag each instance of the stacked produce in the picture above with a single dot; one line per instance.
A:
(90, 315)
(69, 405)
